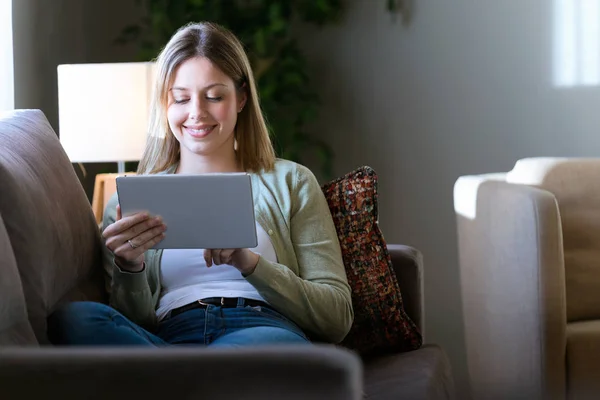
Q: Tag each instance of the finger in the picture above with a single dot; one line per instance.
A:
(148, 235)
(125, 223)
(208, 257)
(128, 253)
(226, 256)
(142, 227)
(113, 242)
(216, 255)
(130, 227)
(119, 215)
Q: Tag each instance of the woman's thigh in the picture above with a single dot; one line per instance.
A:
(185, 328)
(88, 323)
(248, 326)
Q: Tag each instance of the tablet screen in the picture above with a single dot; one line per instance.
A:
(208, 211)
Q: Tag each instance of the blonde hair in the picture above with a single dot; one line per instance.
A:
(254, 150)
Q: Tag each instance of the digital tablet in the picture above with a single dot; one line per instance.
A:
(208, 211)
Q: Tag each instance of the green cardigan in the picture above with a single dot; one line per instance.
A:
(308, 284)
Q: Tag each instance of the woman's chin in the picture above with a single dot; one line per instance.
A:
(207, 146)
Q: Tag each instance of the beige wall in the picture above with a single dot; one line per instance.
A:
(468, 87)
(49, 33)
(44, 37)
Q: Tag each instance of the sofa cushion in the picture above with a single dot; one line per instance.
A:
(15, 328)
(380, 321)
(423, 374)
(583, 360)
(575, 184)
(53, 233)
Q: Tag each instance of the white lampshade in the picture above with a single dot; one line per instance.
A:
(103, 110)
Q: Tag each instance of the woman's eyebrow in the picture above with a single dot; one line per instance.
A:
(207, 87)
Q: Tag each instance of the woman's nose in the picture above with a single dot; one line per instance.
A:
(197, 110)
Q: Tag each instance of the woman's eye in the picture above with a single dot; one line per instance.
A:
(214, 98)
(176, 101)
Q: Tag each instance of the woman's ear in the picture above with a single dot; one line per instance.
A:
(242, 103)
(243, 98)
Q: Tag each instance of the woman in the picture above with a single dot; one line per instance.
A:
(206, 118)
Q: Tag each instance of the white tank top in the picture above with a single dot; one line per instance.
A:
(185, 277)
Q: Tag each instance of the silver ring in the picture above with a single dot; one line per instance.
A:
(133, 246)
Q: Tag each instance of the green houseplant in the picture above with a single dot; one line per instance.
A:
(265, 29)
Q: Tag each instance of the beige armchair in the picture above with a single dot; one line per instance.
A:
(529, 252)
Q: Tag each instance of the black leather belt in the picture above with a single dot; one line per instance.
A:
(225, 302)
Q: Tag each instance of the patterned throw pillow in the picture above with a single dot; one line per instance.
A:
(380, 322)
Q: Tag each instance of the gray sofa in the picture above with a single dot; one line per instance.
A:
(50, 251)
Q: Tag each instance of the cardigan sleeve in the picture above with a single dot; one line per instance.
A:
(318, 299)
(130, 292)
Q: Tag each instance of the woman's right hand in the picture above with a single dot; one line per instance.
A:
(128, 238)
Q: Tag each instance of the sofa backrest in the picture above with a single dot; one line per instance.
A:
(575, 182)
(53, 234)
(15, 329)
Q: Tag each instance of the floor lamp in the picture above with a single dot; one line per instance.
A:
(103, 114)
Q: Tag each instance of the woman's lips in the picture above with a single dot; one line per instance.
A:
(199, 132)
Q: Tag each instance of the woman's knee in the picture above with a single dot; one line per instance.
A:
(261, 335)
(76, 318)
(81, 311)
(282, 335)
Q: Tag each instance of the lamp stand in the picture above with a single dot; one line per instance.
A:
(104, 187)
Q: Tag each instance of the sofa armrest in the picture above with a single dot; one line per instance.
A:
(408, 266)
(512, 287)
(291, 372)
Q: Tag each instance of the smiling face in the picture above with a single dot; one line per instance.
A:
(202, 109)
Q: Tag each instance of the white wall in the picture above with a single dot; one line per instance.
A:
(468, 87)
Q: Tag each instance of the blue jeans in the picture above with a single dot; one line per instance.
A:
(88, 323)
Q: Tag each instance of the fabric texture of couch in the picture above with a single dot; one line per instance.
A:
(50, 248)
(529, 247)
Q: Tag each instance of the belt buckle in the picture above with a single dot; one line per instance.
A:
(209, 304)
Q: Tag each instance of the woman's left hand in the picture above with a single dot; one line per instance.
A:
(242, 259)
